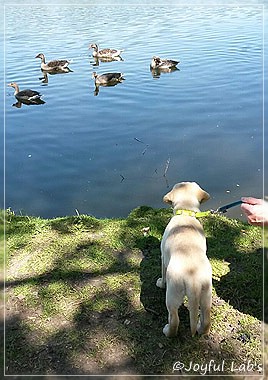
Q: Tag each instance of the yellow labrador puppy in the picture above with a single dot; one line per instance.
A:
(186, 270)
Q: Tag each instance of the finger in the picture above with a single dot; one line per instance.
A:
(246, 208)
(251, 200)
(255, 221)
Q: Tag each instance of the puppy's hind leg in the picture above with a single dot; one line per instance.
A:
(193, 302)
(173, 303)
(161, 282)
(171, 328)
(205, 308)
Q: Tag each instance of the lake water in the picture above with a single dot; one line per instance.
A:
(106, 154)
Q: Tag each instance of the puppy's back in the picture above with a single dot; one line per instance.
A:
(184, 237)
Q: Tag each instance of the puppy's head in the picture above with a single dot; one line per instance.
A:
(186, 194)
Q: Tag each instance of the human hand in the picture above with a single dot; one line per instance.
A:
(256, 210)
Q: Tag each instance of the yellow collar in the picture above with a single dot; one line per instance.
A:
(198, 214)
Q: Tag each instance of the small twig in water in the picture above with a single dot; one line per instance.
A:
(122, 177)
(167, 183)
(167, 166)
(147, 145)
(143, 152)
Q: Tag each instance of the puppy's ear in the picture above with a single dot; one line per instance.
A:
(203, 196)
(168, 197)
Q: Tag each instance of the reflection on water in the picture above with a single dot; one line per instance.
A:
(97, 86)
(44, 78)
(19, 103)
(97, 60)
(82, 151)
(156, 73)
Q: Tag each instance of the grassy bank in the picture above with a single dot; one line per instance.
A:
(81, 298)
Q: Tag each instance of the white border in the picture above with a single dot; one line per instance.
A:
(146, 4)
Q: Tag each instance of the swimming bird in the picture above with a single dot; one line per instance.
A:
(104, 53)
(107, 78)
(159, 63)
(55, 65)
(26, 96)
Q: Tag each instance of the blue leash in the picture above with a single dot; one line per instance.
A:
(224, 209)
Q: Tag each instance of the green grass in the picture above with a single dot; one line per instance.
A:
(81, 297)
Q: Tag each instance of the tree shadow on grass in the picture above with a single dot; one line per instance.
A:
(70, 350)
(109, 333)
(242, 286)
(67, 225)
(90, 345)
(62, 272)
(153, 298)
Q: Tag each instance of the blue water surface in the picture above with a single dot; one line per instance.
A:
(104, 154)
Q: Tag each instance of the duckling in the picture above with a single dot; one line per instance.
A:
(27, 96)
(104, 53)
(56, 65)
(159, 63)
(107, 78)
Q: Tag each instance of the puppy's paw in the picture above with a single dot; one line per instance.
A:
(199, 328)
(202, 330)
(166, 330)
(169, 332)
(160, 283)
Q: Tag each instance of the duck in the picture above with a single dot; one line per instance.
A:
(104, 53)
(107, 78)
(27, 96)
(55, 65)
(159, 63)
